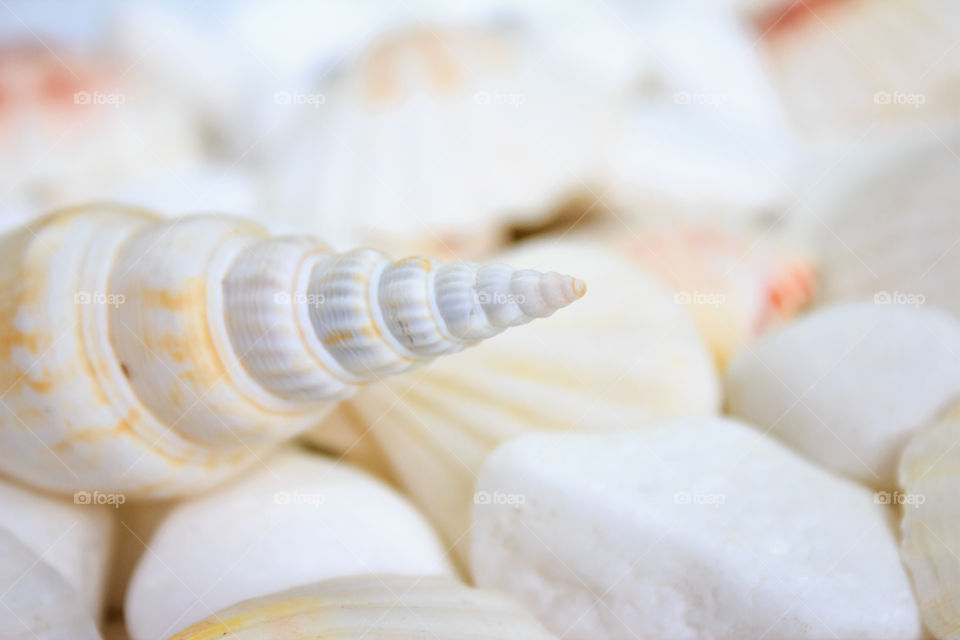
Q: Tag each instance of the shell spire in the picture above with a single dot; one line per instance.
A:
(157, 357)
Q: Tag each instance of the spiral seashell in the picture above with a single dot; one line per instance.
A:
(155, 358)
(300, 519)
(430, 430)
(374, 606)
(930, 483)
(836, 68)
(37, 602)
(383, 155)
(737, 286)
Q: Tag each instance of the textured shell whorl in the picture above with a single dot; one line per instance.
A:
(352, 318)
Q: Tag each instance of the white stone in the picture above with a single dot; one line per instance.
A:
(702, 528)
(301, 518)
(848, 385)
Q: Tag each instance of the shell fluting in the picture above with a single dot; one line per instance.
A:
(930, 482)
(374, 606)
(155, 357)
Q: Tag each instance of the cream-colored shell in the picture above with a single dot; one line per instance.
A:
(736, 285)
(884, 224)
(629, 358)
(155, 358)
(37, 602)
(433, 140)
(843, 68)
(298, 518)
(929, 486)
(374, 606)
(850, 384)
(73, 535)
(698, 528)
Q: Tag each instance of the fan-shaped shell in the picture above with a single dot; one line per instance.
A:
(38, 604)
(930, 484)
(433, 139)
(374, 606)
(850, 384)
(737, 286)
(298, 518)
(846, 66)
(632, 357)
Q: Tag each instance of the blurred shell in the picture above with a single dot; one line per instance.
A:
(374, 606)
(845, 66)
(433, 140)
(38, 604)
(885, 224)
(693, 529)
(737, 286)
(156, 358)
(78, 127)
(848, 385)
(630, 357)
(930, 481)
(297, 519)
(74, 536)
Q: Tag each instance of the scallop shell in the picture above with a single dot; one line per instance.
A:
(850, 384)
(886, 225)
(38, 604)
(696, 528)
(374, 606)
(74, 536)
(930, 483)
(156, 358)
(737, 286)
(430, 430)
(845, 66)
(298, 519)
(75, 127)
(434, 139)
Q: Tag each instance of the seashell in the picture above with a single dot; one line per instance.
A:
(863, 213)
(929, 481)
(834, 66)
(299, 519)
(849, 384)
(430, 430)
(73, 537)
(75, 127)
(386, 158)
(736, 285)
(697, 528)
(156, 358)
(38, 603)
(374, 606)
